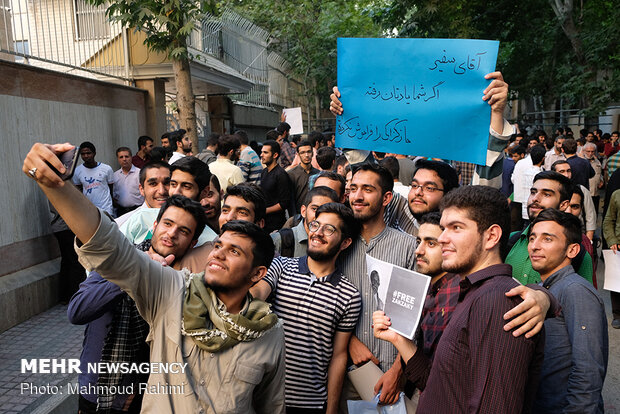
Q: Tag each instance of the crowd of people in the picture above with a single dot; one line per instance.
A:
(255, 270)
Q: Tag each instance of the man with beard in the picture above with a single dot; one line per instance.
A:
(226, 348)
(244, 202)
(550, 190)
(293, 242)
(301, 173)
(443, 295)
(211, 202)
(478, 365)
(143, 156)
(371, 192)
(190, 177)
(115, 332)
(276, 184)
(320, 309)
(554, 154)
(181, 144)
(431, 182)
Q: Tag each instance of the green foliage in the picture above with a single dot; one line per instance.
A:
(536, 56)
(305, 33)
(166, 23)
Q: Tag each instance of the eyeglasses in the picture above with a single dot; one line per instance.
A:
(315, 226)
(425, 188)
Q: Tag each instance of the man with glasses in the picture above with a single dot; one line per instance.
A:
(320, 309)
(371, 191)
(293, 242)
(431, 181)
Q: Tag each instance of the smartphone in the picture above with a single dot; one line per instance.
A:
(69, 161)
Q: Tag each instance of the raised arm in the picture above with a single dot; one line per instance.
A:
(418, 366)
(496, 95)
(261, 290)
(103, 246)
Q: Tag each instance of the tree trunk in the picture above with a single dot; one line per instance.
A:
(305, 82)
(563, 10)
(186, 103)
(317, 103)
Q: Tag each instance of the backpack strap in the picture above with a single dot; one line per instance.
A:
(287, 248)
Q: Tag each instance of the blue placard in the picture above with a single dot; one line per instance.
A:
(415, 96)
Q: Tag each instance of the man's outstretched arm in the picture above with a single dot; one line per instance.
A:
(103, 246)
(77, 211)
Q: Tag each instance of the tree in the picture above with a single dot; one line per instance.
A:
(554, 49)
(305, 33)
(167, 25)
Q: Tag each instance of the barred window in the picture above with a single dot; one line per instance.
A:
(90, 21)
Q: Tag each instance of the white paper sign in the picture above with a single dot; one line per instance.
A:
(399, 292)
(612, 270)
(294, 119)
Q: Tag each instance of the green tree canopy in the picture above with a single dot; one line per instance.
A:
(556, 49)
(305, 33)
(167, 25)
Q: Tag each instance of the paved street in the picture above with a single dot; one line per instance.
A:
(47, 335)
(50, 335)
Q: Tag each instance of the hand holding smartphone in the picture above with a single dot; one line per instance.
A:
(69, 161)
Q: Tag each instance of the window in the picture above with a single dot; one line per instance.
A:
(90, 21)
(21, 47)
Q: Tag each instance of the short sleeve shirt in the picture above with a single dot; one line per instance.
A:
(95, 184)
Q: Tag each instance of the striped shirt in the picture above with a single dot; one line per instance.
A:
(491, 173)
(312, 310)
(393, 246)
(398, 215)
(250, 165)
(613, 163)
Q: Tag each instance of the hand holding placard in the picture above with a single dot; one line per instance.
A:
(418, 96)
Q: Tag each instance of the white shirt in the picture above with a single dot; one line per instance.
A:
(528, 181)
(95, 184)
(521, 189)
(126, 187)
(226, 172)
(122, 219)
(402, 189)
(175, 157)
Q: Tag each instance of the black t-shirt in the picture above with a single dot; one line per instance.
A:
(277, 187)
(582, 171)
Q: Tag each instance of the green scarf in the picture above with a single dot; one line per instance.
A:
(216, 330)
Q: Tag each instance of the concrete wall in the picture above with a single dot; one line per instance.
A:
(37, 105)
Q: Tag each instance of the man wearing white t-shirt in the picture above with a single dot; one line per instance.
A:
(181, 143)
(94, 178)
